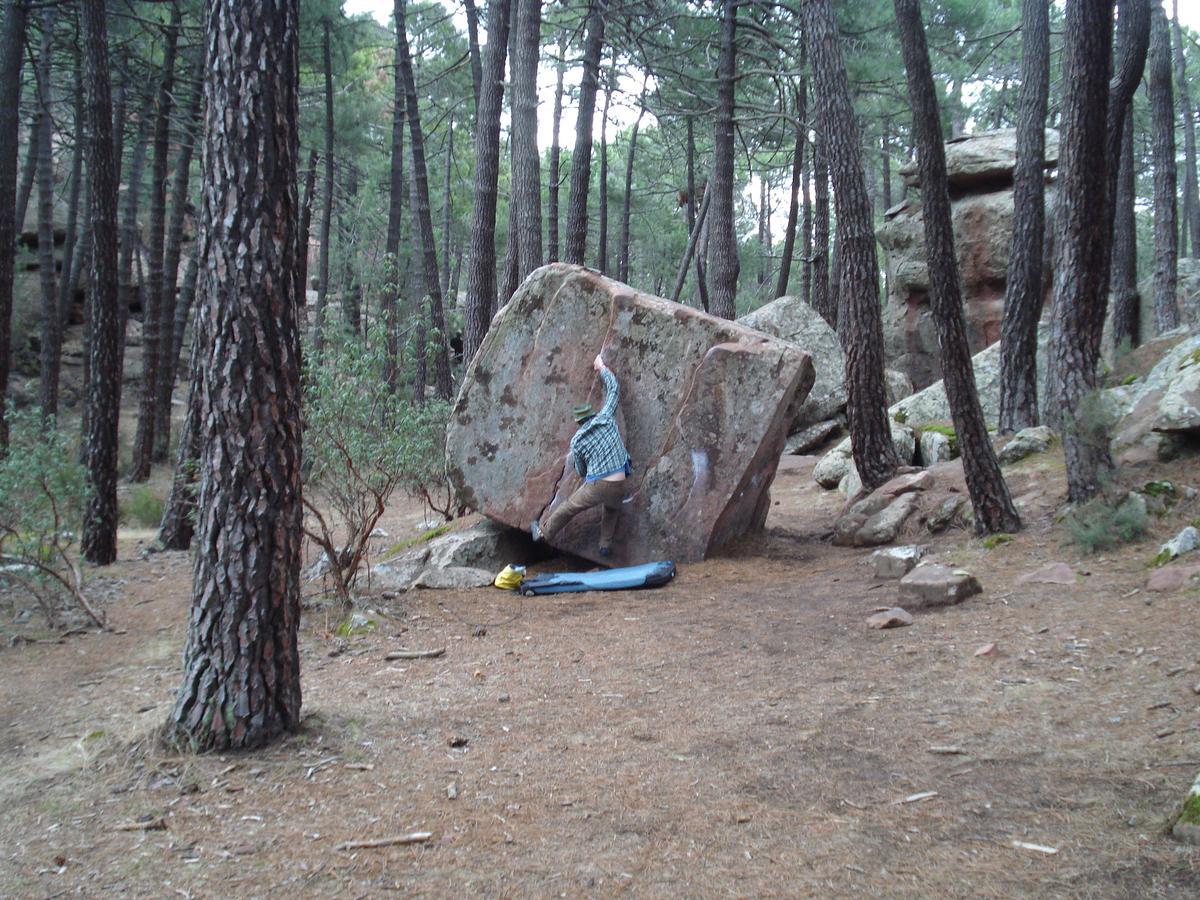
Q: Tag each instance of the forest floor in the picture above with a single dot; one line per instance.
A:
(740, 731)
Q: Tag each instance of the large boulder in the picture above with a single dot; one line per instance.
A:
(792, 319)
(980, 171)
(1163, 403)
(705, 408)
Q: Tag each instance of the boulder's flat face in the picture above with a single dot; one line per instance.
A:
(705, 408)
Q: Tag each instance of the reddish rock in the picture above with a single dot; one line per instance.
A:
(705, 406)
(1172, 578)
(890, 618)
(1051, 573)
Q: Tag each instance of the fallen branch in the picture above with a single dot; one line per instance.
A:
(417, 837)
(159, 824)
(415, 654)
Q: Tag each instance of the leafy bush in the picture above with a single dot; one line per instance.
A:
(143, 507)
(992, 541)
(362, 443)
(1100, 524)
(43, 496)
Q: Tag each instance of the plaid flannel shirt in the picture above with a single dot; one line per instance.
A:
(597, 448)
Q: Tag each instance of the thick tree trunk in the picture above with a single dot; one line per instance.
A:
(861, 332)
(1126, 300)
(555, 159)
(1024, 290)
(169, 327)
(1191, 194)
(102, 400)
(602, 224)
(327, 198)
(724, 250)
(822, 301)
(130, 236)
(527, 176)
(390, 301)
(1166, 212)
(241, 683)
(789, 232)
(627, 200)
(152, 317)
(51, 336)
(12, 40)
(994, 509)
(1087, 64)
(581, 160)
(424, 219)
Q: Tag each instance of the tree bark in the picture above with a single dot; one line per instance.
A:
(1087, 64)
(170, 323)
(66, 295)
(177, 528)
(581, 160)
(28, 170)
(102, 400)
(351, 299)
(130, 236)
(183, 313)
(862, 330)
(241, 684)
(310, 183)
(994, 509)
(1126, 300)
(12, 40)
(327, 197)
(447, 208)
(723, 258)
(1166, 214)
(1024, 290)
(602, 224)
(806, 220)
(526, 176)
(1191, 194)
(152, 318)
(473, 49)
(627, 201)
(424, 219)
(693, 243)
(555, 159)
(822, 301)
(51, 336)
(391, 282)
(789, 233)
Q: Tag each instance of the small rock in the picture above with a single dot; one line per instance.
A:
(1026, 442)
(457, 740)
(930, 586)
(1171, 578)
(851, 483)
(882, 527)
(1184, 542)
(503, 698)
(1196, 688)
(907, 483)
(478, 631)
(1051, 573)
(890, 618)
(452, 791)
(988, 649)
(896, 562)
(949, 512)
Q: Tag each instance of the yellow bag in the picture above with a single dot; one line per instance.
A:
(510, 578)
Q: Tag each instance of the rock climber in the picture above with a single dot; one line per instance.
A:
(600, 458)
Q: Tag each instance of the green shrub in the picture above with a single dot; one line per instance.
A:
(992, 541)
(143, 507)
(43, 496)
(1100, 525)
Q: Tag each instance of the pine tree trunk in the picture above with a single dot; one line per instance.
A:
(152, 316)
(1087, 63)
(822, 301)
(327, 199)
(66, 295)
(885, 180)
(724, 251)
(627, 200)
(581, 160)
(310, 183)
(1191, 194)
(1166, 214)
(183, 314)
(693, 244)
(473, 49)
(789, 233)
(526, 177)
(12, 39)
(390, 302)
(806, 220)
(994, 509)
(424, 219)
(861, 332)
(447, 209)
(241, 683)
(764, 229)
(130, 238)
(1024, 290)
(102, 400)
(51, 336)
(170, 334)
(28, 170)
(177, 528)
(555, 159)
(602, 225)
(351, 302)
(1126, 300)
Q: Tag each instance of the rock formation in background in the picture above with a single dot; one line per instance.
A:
(705, 409)
(980, 170)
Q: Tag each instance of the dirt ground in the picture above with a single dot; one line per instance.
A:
(738, 732)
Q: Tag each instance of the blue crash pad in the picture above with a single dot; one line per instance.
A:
(649, 575)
